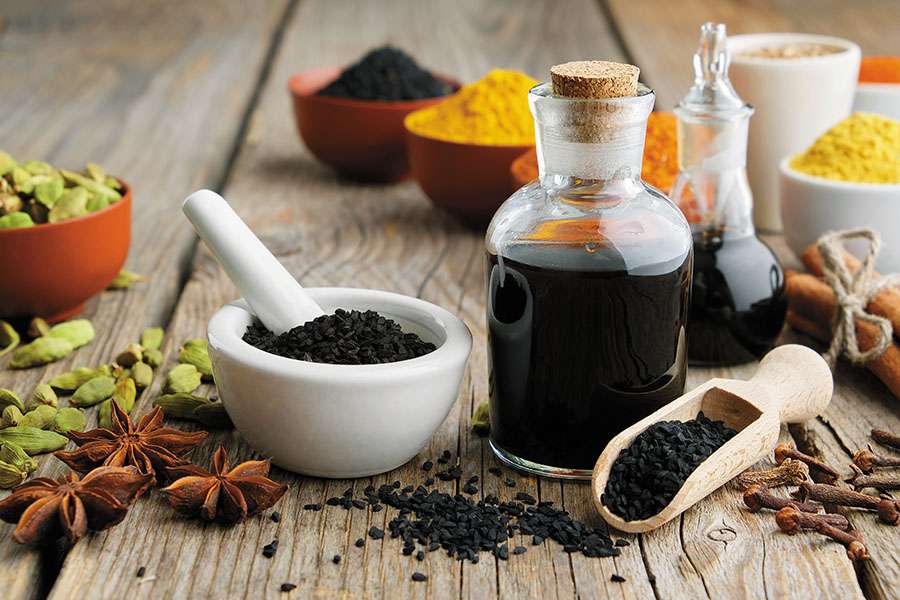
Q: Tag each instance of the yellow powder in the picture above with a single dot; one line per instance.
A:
(863, 148)
(492, 111)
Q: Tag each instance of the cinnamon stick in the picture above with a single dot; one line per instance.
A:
(885, 304)
(811, 307)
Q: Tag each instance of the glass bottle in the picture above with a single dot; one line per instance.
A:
(737, 294)
(588, 275)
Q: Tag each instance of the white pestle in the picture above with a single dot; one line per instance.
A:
(276, 298)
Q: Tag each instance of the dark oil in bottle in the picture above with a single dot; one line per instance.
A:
(580, 348)
(738, 303)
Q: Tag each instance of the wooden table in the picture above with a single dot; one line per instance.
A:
(178, 96)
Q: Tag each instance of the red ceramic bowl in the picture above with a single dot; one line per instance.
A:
(469, 181)
(360, 139)
(51, 270)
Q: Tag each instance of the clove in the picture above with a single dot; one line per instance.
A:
(790, 520)
(868, 461)
(879, 481)
(757, 497)
(886, 438)
(851, 540)
(888, 509)
(789, 472)
(786, 451)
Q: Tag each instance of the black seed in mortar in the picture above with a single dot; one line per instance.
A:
(647, 475)
(345, 337)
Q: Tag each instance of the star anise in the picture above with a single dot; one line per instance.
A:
(46, 509)
(153, 449)
(227, 495)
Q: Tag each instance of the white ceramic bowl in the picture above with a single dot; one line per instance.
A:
(340, 421)
(881, 98)
(811, 206)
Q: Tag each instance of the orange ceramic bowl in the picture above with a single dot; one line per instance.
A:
(469, 181)
(360, 139)
(51, 270)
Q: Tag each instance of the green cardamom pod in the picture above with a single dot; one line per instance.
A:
(22, 180)
(72, 380)
(95, 172)
(41, 417)
(7, 163)
(40, 352)
(37, 167)
(15, 220)
(43, 394)
(124, 280)
(142, 374)
(10, 417)
(183, 378)
(37, 327)
(151, 338)
(125, 394)
(10, 202)
(197, 355)
(68, 419)
(153, 357)
(96, 202)
(130, 355)
(49, 191)
(213, 415)
(33, 440)
(9, 338)
(113, 183)
(90, 185)
(11, 476)
(180, 406)
(72, 204)
(79, 332)
(10, 398)
(481, 420)
(13, 454)
(93, 392)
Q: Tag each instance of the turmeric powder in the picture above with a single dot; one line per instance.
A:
(863, 148)
(493, 111)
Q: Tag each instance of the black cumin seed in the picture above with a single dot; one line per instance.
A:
(617, 578)
(375, 533)
(495, 471)
(336, 559)
(275, 516)
(622, 542)
(419, 576)
(526, 498)
(360, 542)
(141, 571)
(359, 504)
(427, 465)
(429, 481)
(520, 550)
(287, 587)
(333, 501)
(420, 556)
(470, 488)
(314, 506)
(510, 482)
(269, 549)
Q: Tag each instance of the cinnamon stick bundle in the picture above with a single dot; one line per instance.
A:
(811, 307)
(885, 304)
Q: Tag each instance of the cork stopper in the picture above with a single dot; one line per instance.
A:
(594, 79)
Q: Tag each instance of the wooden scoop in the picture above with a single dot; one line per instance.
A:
(792, 384)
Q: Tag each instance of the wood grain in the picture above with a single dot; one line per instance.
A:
(155, 93)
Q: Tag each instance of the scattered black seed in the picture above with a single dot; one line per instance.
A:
(420, 555)
(520, 550)
(287, 587)
(502, 552)
(359, 504)
(336, 559)
(525, 498)
(377, 507)
(470, 488)
(333, 501)
(622, 542)
(473, 479)
(313, 506)
(345, 337)
(386, 73)
(495, 471)
(510, 482)
(141, 571)
(429, 481)
(427, 465)
(648, 474)
(536, 540)
(419, 576)
(617, 578)
(396, 484)
(360, 542)
(275, 516)
(269, 549)
(375, 533)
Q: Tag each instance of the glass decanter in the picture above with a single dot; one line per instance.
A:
(737, 294)
(588, 275)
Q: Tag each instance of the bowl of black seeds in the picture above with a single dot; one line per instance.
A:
(351, 118)
(356, 392)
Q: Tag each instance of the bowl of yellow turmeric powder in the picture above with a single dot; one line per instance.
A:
(460, 150)
(849, 177)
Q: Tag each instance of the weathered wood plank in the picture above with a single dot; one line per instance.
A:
(154, 92)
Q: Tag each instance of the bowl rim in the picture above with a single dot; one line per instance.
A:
(849, 48)
(524, 148)
(51, 226)
(293, 84)
(456, 347)
(785, 168)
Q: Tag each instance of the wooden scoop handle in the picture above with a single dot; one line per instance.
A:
(797, 383)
